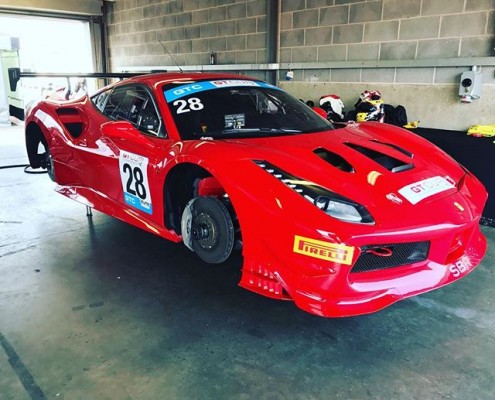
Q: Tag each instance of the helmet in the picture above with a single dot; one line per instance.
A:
(370, 107)
(333, 105)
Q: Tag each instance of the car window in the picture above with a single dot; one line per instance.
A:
(131, 103)
(100, 99)
(238, 108)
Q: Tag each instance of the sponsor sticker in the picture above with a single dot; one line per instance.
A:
(418, 191)
(393, 197)
(233, 82)
(460, 267)
(338, 253)
(235, 121)
(134, 177)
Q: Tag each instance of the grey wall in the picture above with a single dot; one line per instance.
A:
(190, 30)
(325, 31)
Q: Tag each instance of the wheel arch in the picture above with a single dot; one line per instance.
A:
(178, 189)
(180, 186)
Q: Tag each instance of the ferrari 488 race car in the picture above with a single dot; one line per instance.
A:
(341, 221)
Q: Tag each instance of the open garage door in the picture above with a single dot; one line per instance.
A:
(47, 45)
(54, 36)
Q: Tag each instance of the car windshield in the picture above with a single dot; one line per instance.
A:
(224, 108)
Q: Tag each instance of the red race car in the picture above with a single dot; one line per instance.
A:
(341, 221)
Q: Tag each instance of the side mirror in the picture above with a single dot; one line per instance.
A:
(119, 130)
(124, 131)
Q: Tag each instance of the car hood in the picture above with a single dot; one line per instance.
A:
(369, 163)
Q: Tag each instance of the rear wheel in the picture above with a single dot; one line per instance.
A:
(48, 164)
(207, 229)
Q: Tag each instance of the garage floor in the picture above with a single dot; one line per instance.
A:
(91, 308)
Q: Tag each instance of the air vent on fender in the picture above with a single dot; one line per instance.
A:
(391, 163)
(72, 121)
(334, 159)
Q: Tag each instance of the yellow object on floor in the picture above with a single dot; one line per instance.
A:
(482, 130)
(411, 125)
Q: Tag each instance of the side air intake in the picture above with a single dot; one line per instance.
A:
(72, 120)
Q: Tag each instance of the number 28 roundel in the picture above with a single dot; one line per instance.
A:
(133, 170)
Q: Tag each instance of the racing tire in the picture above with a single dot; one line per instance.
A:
(48, 164)
(212, 230)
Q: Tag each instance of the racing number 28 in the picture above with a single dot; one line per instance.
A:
(135, 181)
(192, 104)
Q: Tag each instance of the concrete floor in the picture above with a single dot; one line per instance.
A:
(97, 309)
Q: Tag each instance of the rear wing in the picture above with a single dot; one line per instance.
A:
(15, 74)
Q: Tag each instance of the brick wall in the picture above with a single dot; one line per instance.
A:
(388, 30)
(325, 31)
(350, 30)
(189, 29)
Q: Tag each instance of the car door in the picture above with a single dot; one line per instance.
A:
(134, 141)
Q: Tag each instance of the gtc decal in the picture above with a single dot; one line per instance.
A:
(334, 252)
(134, 177)
(418, 191)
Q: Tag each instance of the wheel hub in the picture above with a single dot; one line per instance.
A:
(204, 231)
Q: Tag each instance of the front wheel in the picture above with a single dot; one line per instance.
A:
(207, 229)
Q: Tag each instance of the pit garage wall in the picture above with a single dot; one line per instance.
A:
(189, 29)
(391, 31)
(343, 32)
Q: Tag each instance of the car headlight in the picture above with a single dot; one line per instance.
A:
(331, 203)
(345, 212)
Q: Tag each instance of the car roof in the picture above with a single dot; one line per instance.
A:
(168, 77)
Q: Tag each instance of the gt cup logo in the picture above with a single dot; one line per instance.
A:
(134, 178)
(338, 253)
(418, 191)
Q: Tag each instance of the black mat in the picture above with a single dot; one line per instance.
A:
(474, 153)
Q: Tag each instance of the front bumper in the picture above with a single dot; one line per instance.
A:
(339, 292)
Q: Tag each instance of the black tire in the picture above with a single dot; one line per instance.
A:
(212, 230)
(48, 164)
(34, 137)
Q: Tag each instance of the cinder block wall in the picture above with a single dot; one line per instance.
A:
(353, 30)
(189, 29)
(325, 31)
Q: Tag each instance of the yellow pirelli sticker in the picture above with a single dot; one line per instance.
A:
(338, 253)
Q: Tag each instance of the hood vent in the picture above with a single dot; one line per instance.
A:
(334, 159)
(394, 146)
(391, 163)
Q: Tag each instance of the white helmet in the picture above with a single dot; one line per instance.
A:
(332, 103)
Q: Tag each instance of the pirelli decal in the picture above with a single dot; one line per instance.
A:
(338, 253)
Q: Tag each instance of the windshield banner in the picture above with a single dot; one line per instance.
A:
(196, 87)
